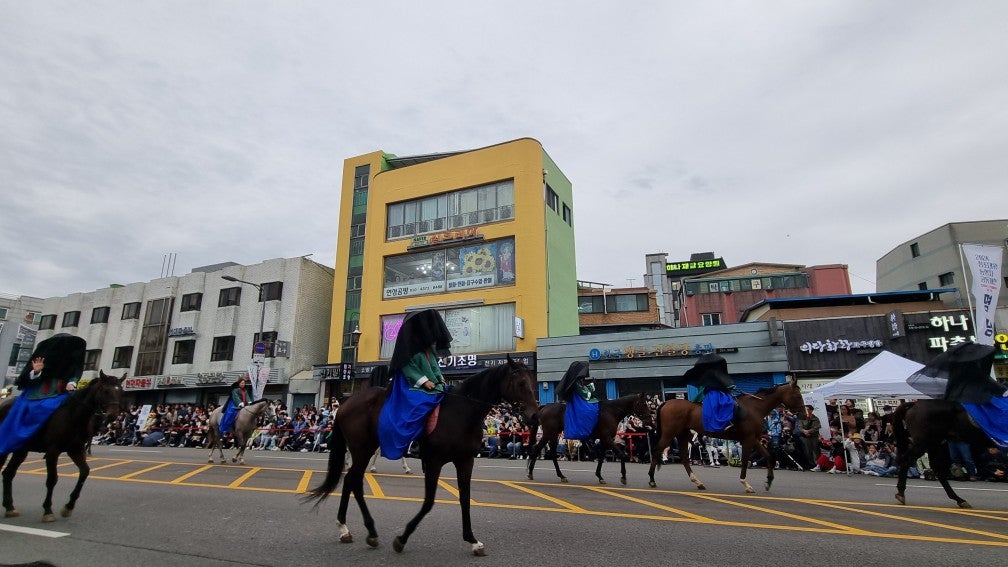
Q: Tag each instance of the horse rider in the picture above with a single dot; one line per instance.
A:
(56, 366)
(577, 388)
(239, 398)
(716, 391)
(417, 385)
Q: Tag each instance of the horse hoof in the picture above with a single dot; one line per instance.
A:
(48, 518)
(234, 460)
(12, 513)
(478, 549)
(901, 499)
(346, 538)
(65, 512)
(601, 481)
(372, 541)
(530, 477)
(398, 544)
(210, 460)
(750, 490)
(766, 486)
(652, 483)
(965, 504)
(701, 486)
(623, 481)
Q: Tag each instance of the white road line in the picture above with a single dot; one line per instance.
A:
(32, 531)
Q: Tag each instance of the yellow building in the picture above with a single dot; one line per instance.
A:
(485, 236)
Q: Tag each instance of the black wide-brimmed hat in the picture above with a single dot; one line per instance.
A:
(576, 371)
(420, 330)
(63, 356)
(710, 370)
(963, 372)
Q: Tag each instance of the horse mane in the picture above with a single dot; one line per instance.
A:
(481, 385)
(770, 389)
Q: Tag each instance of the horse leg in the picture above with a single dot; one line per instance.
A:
(663, 442)
(83, 470)
(354, 484)
(684, 456)
(52, 477)
(432, 471)
(239, 457)
(551, 448)
(622, 463)
(905, 460)
(533, 455)
(770, 461)
(941, 464)
(8, 478)
(747, 449)
(464, 475)
(405, 466)
(599, 458)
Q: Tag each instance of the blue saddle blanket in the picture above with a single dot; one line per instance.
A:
(580, 418)
(403, 417)
(718, 410)
(25, 418)
(992, 417)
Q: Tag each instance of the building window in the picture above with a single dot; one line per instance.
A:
(271, 291)
(3, 313)
(591, 304)
(946, 279)
(229, 296)
(454, 268)
(711, 319)
(184, 352)
(552, 199)
(91, 359)
(914, 250)
(131, 310)
(490, 329)
(99, 315)
(71, 318)
(270, 338)
(922, 285)
(154, 337)
(568, 216)
(47, 322)
(191, 302)
(123, 357)
(223, 348)
(491, 202)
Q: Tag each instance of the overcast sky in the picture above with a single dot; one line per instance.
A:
(785, 132)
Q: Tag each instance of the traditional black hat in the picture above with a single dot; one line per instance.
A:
(420, 330)
(64, 359)
(576, 371)
(709, 371)
(960, 374)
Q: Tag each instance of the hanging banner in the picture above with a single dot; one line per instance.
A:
(258, 376)
(985, 264)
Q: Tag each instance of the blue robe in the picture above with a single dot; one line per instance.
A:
(228, 415)
(992, 417)
(403, 416)
(25, 419)
(718, 410)
(580, 418)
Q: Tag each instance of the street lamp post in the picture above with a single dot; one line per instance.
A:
(262, 320)
(355, 343)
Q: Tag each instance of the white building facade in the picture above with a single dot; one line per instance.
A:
(19, 320)
(185, 339)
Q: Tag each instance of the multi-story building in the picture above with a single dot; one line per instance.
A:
(183, 339)
(666, 278)
(485, 236)
(19, 320)
(934, 260)
(603, 308)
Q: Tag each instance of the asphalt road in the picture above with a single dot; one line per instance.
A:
(166, 506)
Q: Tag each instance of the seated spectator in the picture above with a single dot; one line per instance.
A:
(879, 462)
(993, 465)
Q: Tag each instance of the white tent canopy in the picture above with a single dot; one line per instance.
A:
(884, 376)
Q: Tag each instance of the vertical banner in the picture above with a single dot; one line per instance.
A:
(985, 264)
(258, 376)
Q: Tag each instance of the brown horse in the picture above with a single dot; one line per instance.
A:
(677, 417)
(456, 439)
(245, 423)
(611, 412)
(67, 431)
(926, 426)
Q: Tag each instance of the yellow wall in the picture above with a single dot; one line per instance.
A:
(520, 159)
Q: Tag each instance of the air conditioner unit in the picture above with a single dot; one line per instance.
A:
(506, 212)
(409, 228)
(489, 215)
(395, 231)
(474, 218)
(457, 221)
(439, 224)
(423, 226)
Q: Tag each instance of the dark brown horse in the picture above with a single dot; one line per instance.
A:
(677, 417)
(926, 426)
(456, 439)
(67, 431)
(611, 412)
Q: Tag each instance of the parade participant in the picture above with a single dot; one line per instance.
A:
(808, 431)
(56, 366)
(577, 388)
(715, 391)
(239, 398)
(417, 381)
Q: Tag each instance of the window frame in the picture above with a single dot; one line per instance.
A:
(71, 319)
(179, 351)
(191, 302)
(131, 310)
(271, 291)
(100, 315)
(229, 297)
(92, 358)
(222, 348)
(47, 322)
(117, 357)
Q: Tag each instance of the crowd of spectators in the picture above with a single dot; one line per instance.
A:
(851, 442)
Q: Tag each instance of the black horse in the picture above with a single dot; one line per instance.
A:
(611, 412)
(68, 431)
(456, 438)
(926, 426)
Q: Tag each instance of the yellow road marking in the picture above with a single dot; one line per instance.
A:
(304, 482)
(142, 471)
(915, 521)
(616, 494)
(238, 481)
(799, 517)
(538, 494)
(116, 464)
(190, 474)
(372, 482)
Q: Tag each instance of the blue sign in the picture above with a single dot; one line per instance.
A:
(259, 348)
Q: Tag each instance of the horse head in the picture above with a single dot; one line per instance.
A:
(792, 397)
(519, 389)
(642, 409)
(107, 396)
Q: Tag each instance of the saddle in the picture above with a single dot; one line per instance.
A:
(432, 419)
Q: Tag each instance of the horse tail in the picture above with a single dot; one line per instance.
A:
(337, 459)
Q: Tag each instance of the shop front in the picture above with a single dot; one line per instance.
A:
(201, 388)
